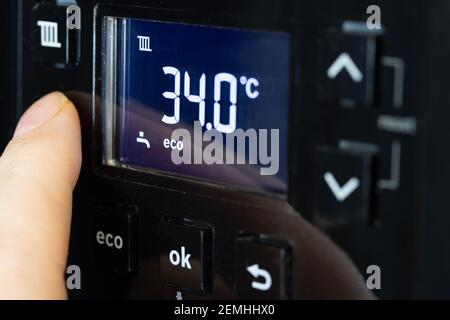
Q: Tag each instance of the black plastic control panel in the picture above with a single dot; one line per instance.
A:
(368, 162)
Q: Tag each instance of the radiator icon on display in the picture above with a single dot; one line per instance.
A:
(144, 44)
(49, 34)
(141, 139)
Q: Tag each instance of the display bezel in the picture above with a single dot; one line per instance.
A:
(155, 176)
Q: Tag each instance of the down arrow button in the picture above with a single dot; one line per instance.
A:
(341, 193)
(343, 187)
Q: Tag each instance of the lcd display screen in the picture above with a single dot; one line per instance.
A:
(203, 102)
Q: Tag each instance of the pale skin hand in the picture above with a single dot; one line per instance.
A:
(38, 171)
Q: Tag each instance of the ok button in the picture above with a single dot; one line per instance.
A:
(180, 258)
(185, 255)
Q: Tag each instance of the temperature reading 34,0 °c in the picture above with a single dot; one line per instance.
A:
(250, 85)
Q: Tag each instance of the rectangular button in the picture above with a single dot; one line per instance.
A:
(348, 65)
(115, 239)
(185, 255)
(263, 269)
(56, 40)
(343, 187)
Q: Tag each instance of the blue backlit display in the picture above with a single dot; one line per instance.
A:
(224, 80)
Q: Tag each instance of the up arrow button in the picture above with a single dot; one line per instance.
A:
(348, 65)
(344, 61)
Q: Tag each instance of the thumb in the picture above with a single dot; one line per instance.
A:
(38, 171)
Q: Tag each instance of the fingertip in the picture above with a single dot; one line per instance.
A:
(47, 139)
(40, 112)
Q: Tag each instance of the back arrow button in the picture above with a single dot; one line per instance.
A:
(257, 272)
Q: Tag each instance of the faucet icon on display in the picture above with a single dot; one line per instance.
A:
(141, 139)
